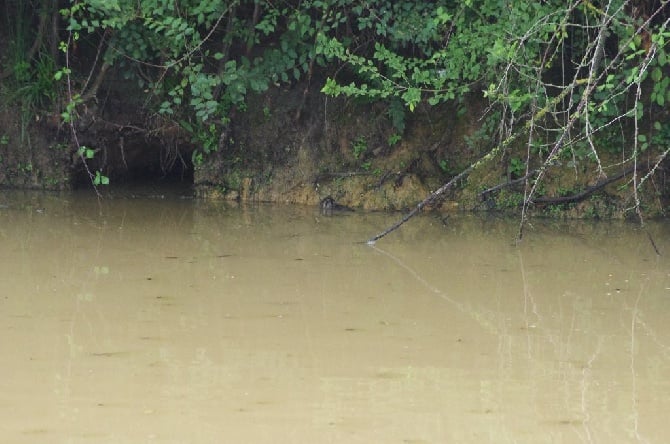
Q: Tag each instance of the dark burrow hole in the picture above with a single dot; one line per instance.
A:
(138, 164)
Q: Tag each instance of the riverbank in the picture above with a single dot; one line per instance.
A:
(285, 148)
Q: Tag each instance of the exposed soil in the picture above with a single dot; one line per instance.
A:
(33, 154)
(284, 148)
(296, 145)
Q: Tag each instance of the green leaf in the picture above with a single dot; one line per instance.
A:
(656, 74)
(100, 179)
(660, 99)
(412, 97)
(88, 153)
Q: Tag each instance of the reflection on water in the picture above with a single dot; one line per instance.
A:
(170, 320)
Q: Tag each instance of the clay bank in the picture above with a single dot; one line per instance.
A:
(285, 149)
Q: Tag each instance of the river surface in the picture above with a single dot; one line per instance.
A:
(159, 319)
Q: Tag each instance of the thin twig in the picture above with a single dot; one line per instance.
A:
(508, 184)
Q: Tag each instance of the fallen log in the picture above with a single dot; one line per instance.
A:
(582, 194)
(539, 200)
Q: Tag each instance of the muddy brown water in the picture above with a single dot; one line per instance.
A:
(159, 319)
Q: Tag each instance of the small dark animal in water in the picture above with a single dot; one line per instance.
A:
(328, 206)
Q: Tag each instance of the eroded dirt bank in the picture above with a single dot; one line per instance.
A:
(296, 145)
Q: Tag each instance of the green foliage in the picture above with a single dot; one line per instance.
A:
(359, 147)
(660, 93)
(206, 137)
(517, 167)
(577, 76)
(202, 59)
(537, 59)
(507, 199)
(393, 139)
(30, 67)
(70, 113)
(25, 168)
(197, 158)
(396, 112)
(100, 179)
(86, 152)
(455, 46)
(402, 52)
(661, 135)
(35, 86)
